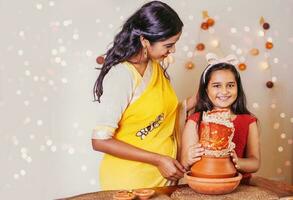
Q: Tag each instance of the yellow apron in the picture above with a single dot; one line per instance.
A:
(148, 123)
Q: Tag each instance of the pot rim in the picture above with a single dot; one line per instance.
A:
(238, 177)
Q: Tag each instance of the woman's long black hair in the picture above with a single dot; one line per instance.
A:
(203, 101)
(155, 21)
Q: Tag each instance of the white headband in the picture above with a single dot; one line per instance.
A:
(213, 59)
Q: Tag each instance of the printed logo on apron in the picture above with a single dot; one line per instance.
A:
(142, 133)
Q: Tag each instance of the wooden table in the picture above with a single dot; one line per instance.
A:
(281, 189)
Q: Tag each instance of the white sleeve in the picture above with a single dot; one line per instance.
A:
(118, 87)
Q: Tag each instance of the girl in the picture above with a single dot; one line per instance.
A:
(137, 105)
(220, 88)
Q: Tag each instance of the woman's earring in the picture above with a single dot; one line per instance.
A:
(145, 52)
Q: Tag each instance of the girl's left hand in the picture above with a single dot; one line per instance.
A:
(235, 159)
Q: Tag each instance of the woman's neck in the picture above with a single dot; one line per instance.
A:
(140, 63)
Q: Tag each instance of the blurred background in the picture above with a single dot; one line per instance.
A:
(48, 57)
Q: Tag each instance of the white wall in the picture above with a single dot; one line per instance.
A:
(47, 60)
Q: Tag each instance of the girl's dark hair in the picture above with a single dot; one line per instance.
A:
(155, 21)
(203, 101)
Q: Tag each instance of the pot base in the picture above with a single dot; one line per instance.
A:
(212, 185)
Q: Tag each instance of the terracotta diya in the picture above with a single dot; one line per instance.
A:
(144, 194)
(123, 195)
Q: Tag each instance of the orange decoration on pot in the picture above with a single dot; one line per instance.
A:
(200, 46)
(210, 22)
(269, 45)
(100, 60)
(242, 66)
(214, 136)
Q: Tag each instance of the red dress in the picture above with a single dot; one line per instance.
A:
(241, 124)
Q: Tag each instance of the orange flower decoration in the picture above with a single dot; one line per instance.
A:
(100, 60)
(200, 46)
(204, 26)
(242, 66)
(210, 21)
(189, 65)
(254, 51)
(269, 45)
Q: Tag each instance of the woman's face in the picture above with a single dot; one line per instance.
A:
(222, 89)
(160, 50)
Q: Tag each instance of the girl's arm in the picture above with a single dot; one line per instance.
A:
(191, 151)
(251, 163)
(168, 167)
(190, 102)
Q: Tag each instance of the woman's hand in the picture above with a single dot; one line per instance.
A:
(194, 154)
(170, 168)
(235, 159)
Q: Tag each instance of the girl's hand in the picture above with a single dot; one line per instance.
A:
(235, 159)
(194, 154)
(170, 168)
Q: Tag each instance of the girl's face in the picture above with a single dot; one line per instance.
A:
(160, 50)
(222, 89)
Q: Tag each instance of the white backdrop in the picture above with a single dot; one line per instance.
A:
(47, 60)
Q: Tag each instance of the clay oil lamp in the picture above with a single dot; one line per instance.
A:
(215, 173)
(123, 195)
(144, 194)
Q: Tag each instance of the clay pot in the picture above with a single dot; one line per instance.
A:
(212, 185)
(214, 167)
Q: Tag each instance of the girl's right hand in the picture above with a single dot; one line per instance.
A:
(194, 154)
(170, 168)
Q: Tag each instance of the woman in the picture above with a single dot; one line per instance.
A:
(137, 104)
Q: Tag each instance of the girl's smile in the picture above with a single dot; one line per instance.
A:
(222, 89)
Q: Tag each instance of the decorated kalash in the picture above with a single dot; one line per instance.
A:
(215, 173)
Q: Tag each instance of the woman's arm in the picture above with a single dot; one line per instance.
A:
(251, 162)
(168, 167)
(191, 151)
